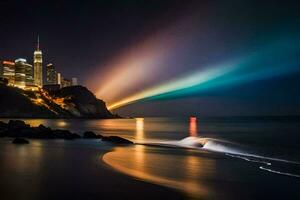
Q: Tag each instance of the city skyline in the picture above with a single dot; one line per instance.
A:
(121, 49)
(20, 73)
(150, 99)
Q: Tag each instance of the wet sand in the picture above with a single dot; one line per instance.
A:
(57, 169)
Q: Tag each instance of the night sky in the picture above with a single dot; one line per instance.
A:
(122, 48)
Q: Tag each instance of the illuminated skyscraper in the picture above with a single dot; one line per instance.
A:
(29, 80)
(58, 79)
(51, 74)
(20, 72)
(38, 66)
(8, 71)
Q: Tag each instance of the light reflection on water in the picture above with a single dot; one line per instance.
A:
(62, 123)
(178, 169)
(193, 127)
(21, 154)
(199, 174)
(19, 163)
(155, 128)
(182, 170)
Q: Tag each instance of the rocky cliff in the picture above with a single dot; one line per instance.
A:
(69, 102)
(83, 103)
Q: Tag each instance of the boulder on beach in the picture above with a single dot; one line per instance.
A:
(20, 141)
(116, 140)
(91, 135)
(17, 124)
(42, 128)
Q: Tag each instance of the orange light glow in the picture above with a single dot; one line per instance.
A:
(193, 127)
(61, 123)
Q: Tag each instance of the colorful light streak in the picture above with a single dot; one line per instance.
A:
(276, 60)
(143, 63)
(190, 81)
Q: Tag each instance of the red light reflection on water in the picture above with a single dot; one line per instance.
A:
(193, 127)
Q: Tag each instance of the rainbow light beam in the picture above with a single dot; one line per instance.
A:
(181, 84)
(276, 60)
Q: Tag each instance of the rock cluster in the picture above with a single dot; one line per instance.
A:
(19, 129)
(116, 140)
(91, 135)
(20, 141)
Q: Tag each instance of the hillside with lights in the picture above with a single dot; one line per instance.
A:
(68, 102)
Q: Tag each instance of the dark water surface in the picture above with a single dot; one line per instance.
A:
(205, 158)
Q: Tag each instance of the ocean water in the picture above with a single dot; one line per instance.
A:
(205, 158)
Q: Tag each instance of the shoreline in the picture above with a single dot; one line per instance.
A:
(77, 164)
(90, 147)
(75, 167)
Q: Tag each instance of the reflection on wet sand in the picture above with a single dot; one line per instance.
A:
(139, 152)
(26, 164)
(179, 169)
(21, 162)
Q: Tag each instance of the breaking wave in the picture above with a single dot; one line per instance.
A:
(230, 149)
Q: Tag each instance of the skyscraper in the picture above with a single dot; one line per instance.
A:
(20, 72)
(51, 74)
(8, 71)
(29, 81)
(58, 79)
(38, 65)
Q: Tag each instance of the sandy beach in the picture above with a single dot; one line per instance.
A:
(57, 169)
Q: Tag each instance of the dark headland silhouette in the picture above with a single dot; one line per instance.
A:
(68, 102)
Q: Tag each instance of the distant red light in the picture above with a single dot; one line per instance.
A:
(193, 127)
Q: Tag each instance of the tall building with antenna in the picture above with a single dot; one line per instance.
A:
(38, 65)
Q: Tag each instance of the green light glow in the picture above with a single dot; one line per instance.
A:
(276, 60)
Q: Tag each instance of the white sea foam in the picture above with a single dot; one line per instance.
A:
(220, 146)
(229, 149)
(279, 172)
(248, 159)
